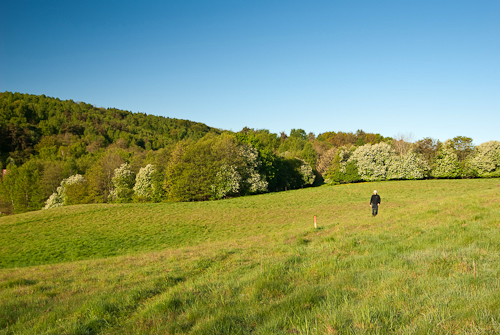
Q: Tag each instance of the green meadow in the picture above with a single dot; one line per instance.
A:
(428, 263)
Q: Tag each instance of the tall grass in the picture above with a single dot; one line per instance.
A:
(428, 263)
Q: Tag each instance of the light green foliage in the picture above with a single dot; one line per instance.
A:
(373, 161)
(20, 187)
(144, 186)
(486, 159)
(298, 146)
(227, 182)
(409, 166)
(123, 182)
(194, 165)
(59, 197)
(446, 163)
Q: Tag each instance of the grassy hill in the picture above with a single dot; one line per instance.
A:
(429, 262)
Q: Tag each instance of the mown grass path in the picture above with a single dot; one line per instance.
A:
(430, 262)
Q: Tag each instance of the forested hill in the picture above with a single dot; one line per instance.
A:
(25, 119)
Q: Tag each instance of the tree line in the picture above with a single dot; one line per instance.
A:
(56, 153)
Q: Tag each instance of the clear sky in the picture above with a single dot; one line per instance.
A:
(425, 68)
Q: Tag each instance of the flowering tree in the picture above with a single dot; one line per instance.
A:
(486, 159)
(252, 180)
(446, 163)
(409, 166)
(307, 173)
(123, 182)
(372, 161)
(144, 186)
(59, 198)
(227, 182)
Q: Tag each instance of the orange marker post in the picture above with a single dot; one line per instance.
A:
(315, 225)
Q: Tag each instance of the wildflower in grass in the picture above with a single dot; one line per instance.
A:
(123, 182)
(59, 198)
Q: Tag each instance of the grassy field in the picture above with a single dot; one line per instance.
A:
(428, 263)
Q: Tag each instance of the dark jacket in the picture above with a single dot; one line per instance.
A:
(375, 200)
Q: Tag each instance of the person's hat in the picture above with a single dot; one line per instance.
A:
(375, 191)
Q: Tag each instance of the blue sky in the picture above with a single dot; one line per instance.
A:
(420, 68)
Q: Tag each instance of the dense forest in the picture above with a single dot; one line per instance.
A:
(55, 153)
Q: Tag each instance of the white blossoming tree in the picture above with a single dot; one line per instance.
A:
(123, 182)
(446, 163)
(252, 180)
(409, 166)
(227, 182)
(145, 187)
(239, 174)
(59, 197)
(307, 173)
(372, 161)
(486, 159)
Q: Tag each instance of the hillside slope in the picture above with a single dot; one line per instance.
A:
(428, 262)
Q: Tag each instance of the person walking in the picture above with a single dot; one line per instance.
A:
(374, 203)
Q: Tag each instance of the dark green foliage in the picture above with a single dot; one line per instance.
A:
(340, 139)
(336, 176)
(25, 121)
